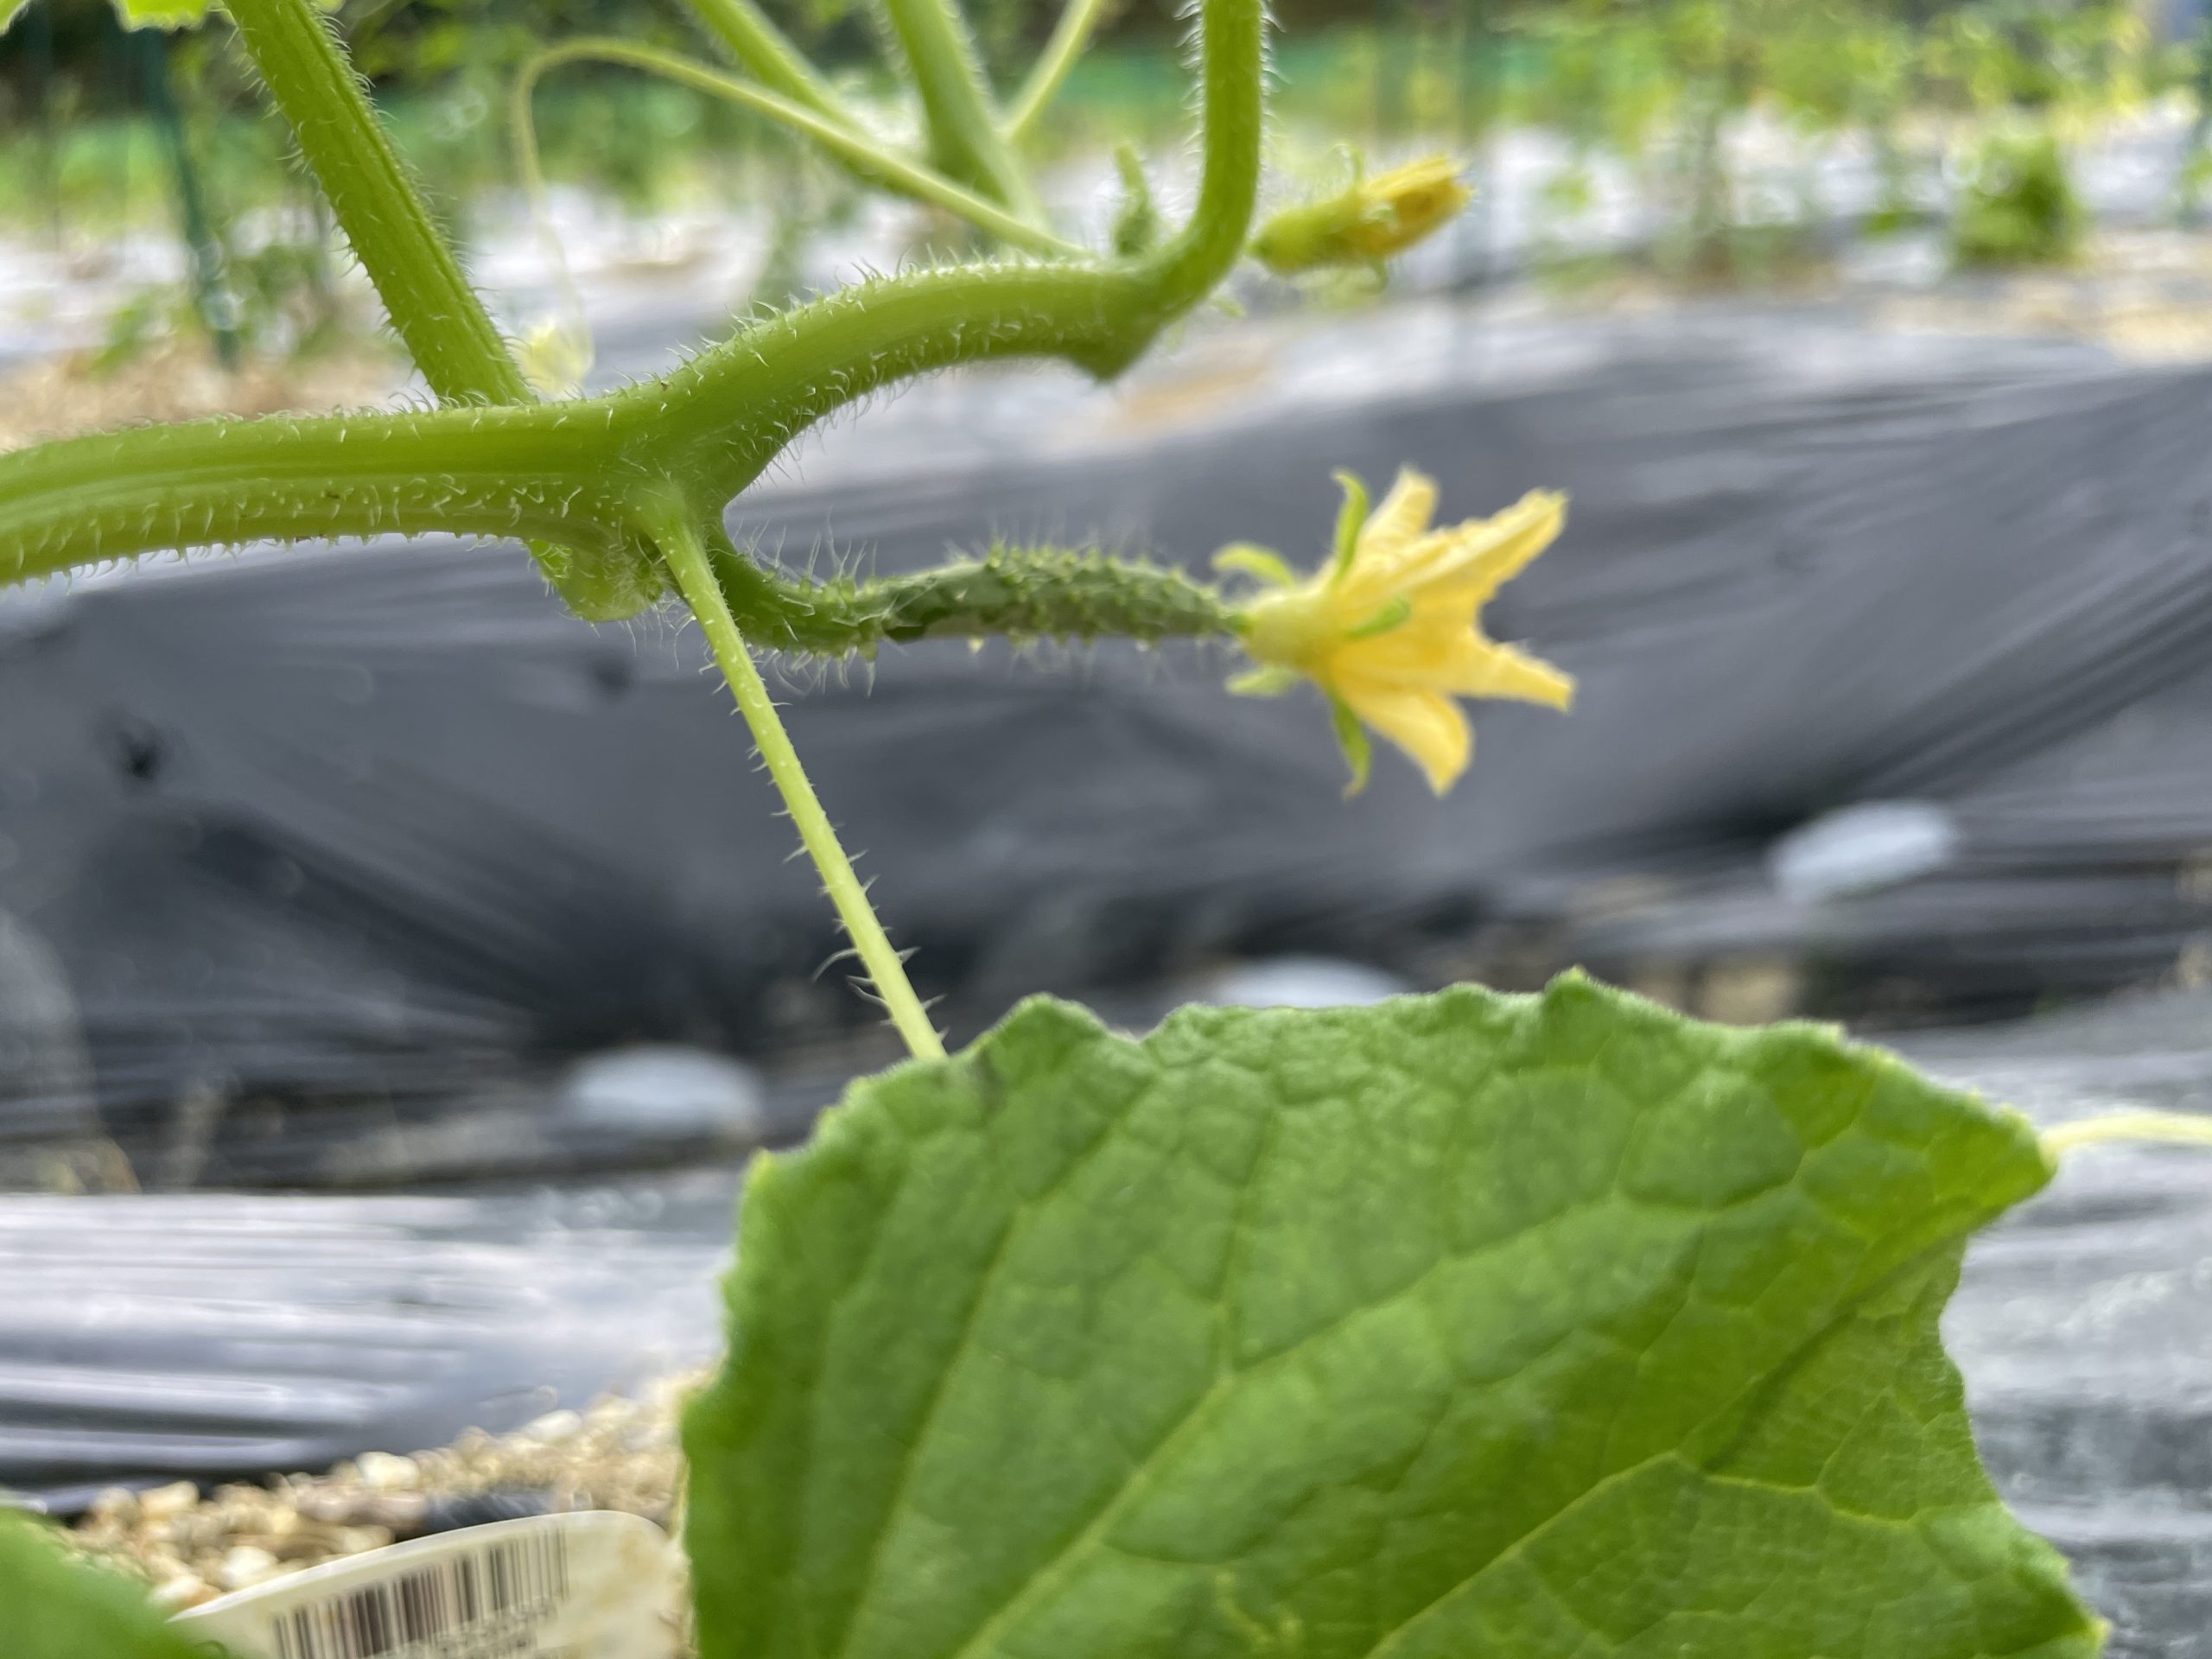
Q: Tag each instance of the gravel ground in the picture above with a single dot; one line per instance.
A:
(620, 1454)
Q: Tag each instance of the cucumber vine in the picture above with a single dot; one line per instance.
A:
(621, 497)
(1465, 1324)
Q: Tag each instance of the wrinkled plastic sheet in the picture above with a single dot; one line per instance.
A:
(310, 861)
(2083, 1323)
(210, 1336)
(306, 852)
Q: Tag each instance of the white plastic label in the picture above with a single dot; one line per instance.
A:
(594, 1586)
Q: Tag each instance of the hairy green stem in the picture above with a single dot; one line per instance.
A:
(688, 559)
(1232, 79)
(966, 140)
(470, 471)
(711, 428)
(431, 305)
(728, 412)
(437, 314)
(1070, 36)
(576, 470)
(868, 158)
(726, 415)
(508, 472)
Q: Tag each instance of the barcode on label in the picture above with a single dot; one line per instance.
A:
(514, 1581)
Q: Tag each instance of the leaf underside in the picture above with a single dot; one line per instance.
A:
(53, 1605)
(1463, 1325)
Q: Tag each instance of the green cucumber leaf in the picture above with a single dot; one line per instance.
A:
(1460, 1326)
(53, 1605)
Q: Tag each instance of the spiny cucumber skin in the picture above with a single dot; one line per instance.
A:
(1019, 593)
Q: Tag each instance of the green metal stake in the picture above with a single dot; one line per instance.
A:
(210, 300)
(38, 46)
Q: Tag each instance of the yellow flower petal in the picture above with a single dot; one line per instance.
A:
(1404, 514)
(1463, 666)
(1393, 633)
(1425, 724)
(1505, 672)
(1405, 568)
(1408, 203)
(1475, 559)
(1426, 652)
(1510, 543)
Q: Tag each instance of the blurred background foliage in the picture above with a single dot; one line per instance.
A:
(1968, 109)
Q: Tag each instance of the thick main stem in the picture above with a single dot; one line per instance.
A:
(688, 559)
(437, 314)
(539, 473)
(566, 469)
(443, 324)
(726, 413)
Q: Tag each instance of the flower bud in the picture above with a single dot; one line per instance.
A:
(1375, 219)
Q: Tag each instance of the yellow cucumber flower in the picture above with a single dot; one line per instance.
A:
(1391, 631)
(1365, 225)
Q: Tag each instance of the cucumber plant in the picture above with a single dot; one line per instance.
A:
(1468, 1323)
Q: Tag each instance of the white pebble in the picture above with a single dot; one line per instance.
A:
(248, 1564)
(554, 1427)
(187, 1590)
(164, 1501)
(117, 1503)
(382, 1472)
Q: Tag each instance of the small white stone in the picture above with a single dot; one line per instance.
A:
(554, 1427)
(118, 1504)
(163, 1503)
(186, 1589)
(382, 1472)
(246, 1565)
(665, 1092)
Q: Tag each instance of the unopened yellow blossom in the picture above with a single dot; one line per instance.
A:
(1370, 222)
(1391, 631)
